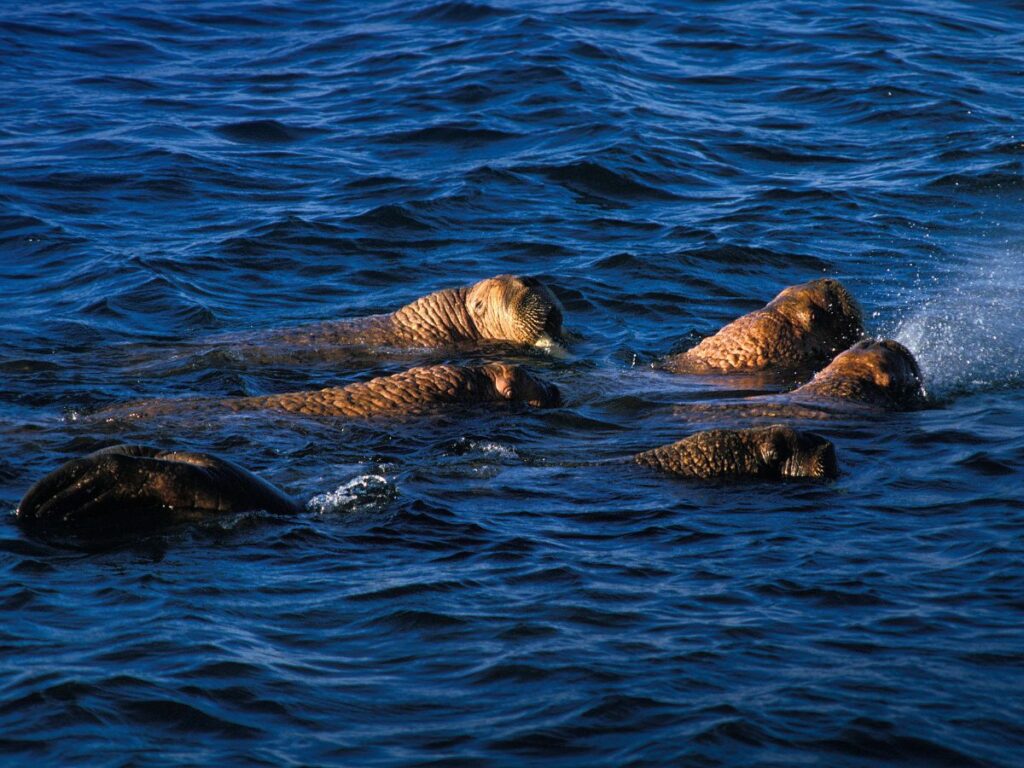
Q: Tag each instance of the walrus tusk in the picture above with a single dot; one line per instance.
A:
(552, 347)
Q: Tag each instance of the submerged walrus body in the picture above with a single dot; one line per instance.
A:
(402, 393)
(871, 377)
(507, 308)
(129, 489)
(803, 327)
(760, 453)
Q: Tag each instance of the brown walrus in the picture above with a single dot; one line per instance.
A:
(130, 489)
(876, 373)
(506, 308)
(872, 376)
(402, 393)
(765, 453)
(803, 327)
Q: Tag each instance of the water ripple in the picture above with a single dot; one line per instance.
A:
(501, 586)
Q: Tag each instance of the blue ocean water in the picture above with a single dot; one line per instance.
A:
(471, 589)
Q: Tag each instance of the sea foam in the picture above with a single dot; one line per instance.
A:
(969, 336)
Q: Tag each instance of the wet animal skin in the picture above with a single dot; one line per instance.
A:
(871, 377)
(762, 453)
(880, 374)
(127, 490)
(402, 393)
(131, 488)
(805, 326)
(506, 308)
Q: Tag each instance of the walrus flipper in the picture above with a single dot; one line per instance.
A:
(129, 489)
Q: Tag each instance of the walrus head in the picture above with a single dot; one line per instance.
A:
(521, 310)
(875, 372)
(513, 382)
(804, 326)
(824, 309)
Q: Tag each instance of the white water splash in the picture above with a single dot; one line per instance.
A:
(498, 450)
(364, 492)
(970, 336)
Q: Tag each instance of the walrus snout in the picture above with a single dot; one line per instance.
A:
(513, 382)
(515, 308)
(803, 454)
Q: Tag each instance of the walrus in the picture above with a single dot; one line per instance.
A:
(881, 374)
(128, 490)
(131, 489)
(872, 376)
(507, 308)
(803, 327)
(407, 392)
(763, 453)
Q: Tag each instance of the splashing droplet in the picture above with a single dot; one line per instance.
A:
(970, 337)
(366, 492)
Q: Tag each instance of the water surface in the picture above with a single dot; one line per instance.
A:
(467, 589)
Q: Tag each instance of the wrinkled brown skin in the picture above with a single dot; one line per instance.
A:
(403, 393)
(758, 453)
(506, 308)
(803, 327)
(871, 377)
(877, 373)
(130, 489)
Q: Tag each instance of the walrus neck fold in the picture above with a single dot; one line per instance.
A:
(436, 319)
(407, 392)
(404, 392)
